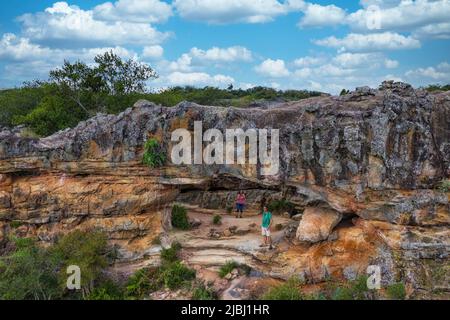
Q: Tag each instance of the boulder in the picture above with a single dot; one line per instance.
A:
(317, 224)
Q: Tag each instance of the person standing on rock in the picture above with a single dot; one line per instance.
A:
(240, 204)
(265, 228)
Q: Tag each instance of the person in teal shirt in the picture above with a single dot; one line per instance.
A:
(265, 227)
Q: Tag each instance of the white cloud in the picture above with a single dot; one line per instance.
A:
(316, 15)
(370, 42)
(391, 64)
(308, 61)
(183, 63)
(141, 11)
(152, 52)
(364, 60)
(401, 15)
(69, 25)
(27, 61)
(436, 31)
(233, 11)
(198, 79)
(215, 54)
(440, 73)
(272, 68)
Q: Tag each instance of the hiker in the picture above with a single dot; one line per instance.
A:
(265, 228)
(240, 204)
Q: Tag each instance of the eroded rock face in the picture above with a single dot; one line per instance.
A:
(376, 154)
(317, 224)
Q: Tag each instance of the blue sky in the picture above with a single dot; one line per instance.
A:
(290, 44)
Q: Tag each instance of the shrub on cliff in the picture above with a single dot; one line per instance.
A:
(176, 274)
(87, 250)
(444, 185)
(169, 255)
(179, 218)
(396, 291)
(287, 291)
(144, 281)
(203, 293)
(227, 268)
(154, 156)
(217, 219)
(28, 272)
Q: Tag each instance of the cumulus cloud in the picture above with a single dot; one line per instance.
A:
(215, 54)
(439, 73)
(316, 15)
(272, 68)
(233, 11)
(26, 60)
(370, 42)
(67, 25)
(141, 11)
(152, 52)
(434, 31)
(198, 79)
(198, 57)
(308, 61)
(400, 15)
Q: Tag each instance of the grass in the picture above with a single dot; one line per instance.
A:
(286, 291)
(444, 185)
(154, 156)
(15, 224)
(217, 219)
(396, 291)
(227, 268)
(176, 274)
(170, 254)
(180, 218)
(202, 293)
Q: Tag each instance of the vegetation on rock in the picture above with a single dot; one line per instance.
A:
(290, 290)
(179, 217)
(396, 291)
(217, 219)
(154, 156)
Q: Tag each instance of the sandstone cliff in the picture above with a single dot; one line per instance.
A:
(361, 170)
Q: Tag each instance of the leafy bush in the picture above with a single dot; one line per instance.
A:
(444, 185)
(352, 290)
(107, 290)
(227, 268)
(170, 254)
(217, 219)
(88, 250)
(28, 272)
(15, 224)
(203, 293)
(144, 281)
(229, 210)
(176, 275)
(286, 291)
(396, 291)
(180, 218)
(153, 154)
(279, 206)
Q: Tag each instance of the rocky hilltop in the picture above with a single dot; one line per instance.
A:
(361, 173)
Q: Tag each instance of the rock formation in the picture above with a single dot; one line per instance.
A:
(362, 167)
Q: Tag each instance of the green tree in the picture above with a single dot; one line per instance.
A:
(28, 272)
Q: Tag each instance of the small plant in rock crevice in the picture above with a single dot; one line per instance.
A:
(154, 156)
(179, 218)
